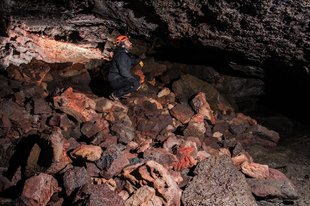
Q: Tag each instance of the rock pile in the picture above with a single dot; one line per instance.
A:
(182, 145)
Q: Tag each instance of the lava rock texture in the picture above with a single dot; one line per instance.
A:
(259, 31)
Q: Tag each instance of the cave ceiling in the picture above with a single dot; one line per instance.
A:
(258, 32)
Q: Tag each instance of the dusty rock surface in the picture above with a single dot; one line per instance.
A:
(217, 177)
(291, 157)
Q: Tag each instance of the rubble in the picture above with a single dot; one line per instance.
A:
(182, 145)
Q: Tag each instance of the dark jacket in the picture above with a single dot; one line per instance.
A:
(121, 64)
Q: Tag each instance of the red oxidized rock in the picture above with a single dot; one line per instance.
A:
(186, 160)
(77, 105)
(39, 189)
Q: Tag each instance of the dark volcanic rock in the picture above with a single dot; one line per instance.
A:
(259, 31)
(74, 178)
(97, 195)
(217, 183)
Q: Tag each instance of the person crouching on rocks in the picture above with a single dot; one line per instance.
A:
(120, 78)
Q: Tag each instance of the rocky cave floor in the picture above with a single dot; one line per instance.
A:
(116, 144)
(292, 157)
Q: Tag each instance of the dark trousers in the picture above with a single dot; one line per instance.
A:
(123, 86)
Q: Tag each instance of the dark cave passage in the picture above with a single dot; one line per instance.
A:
(286, 89)
(288, 92)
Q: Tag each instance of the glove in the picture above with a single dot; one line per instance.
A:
(141, 64)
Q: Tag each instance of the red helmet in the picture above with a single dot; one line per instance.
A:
(120, 39)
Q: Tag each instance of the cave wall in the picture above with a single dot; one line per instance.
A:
(259, 31)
